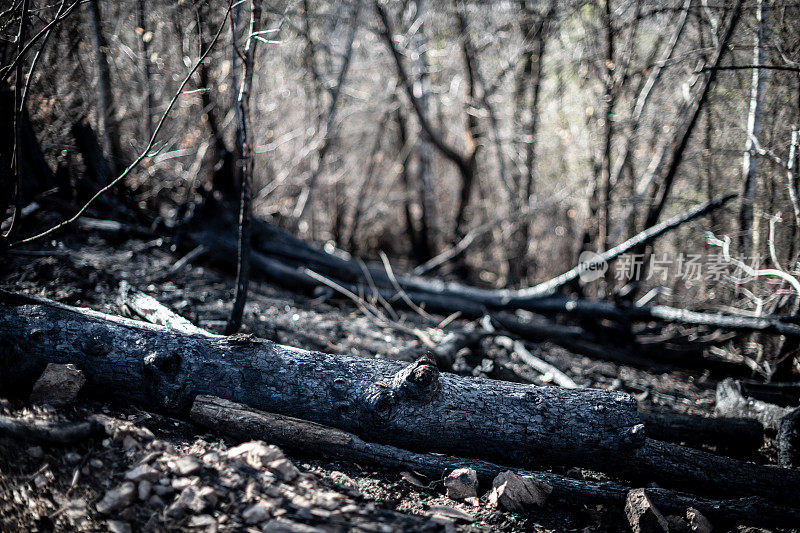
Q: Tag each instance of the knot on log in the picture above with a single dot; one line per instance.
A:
(96, 346)
(419, 381)
(161, 362)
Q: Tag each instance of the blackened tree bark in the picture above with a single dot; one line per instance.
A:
(245, 147)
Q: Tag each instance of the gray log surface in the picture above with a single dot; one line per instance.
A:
(412, 406)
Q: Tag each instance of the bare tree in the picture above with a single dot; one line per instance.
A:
(464, 162)
(749, 158)
(107, 109)
(244, 140)
(526, 102)
(326, 135)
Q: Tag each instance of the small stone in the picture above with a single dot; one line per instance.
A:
(284, 469)
(40, 481)
(256, 453)
(343, 479)
(155, 501)
(462, 483)
(677, 524)
(117, 498)
(697, 521)
(58, 385)
(211, 458)
(446, 511)
(163, 490)
(517, 493)
(143, 472)
(283, 525)
(209, 495)
(202, 520)
(36, 452)
(145, 488)
(96, 463)
(642, 515)
(117, 526)
(185, 466)
(256, 513)
(188, 501)
(72, 458)
(129, 443)
(180, 483)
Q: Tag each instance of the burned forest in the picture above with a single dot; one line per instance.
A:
(428, 265)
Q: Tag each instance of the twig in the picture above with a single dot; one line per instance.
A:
(402, 293)
(754, 273)
(370, 310)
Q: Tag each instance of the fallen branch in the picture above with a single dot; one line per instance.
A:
(300, 436)
(151, 310)
(46, 433)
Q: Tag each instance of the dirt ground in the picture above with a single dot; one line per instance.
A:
(152, 473)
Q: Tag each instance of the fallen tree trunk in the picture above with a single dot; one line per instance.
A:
(412, 406)
(730, 434)
(300, 436)
(283, 258)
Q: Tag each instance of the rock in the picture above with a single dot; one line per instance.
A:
(180, 483)
(516, 493)
(163, 490)
(283, 525)
(58, 385)
(192, 500)
(36, 452)
(129, 443)
(256, 513)
(143, 473)
(697, 521)
(145, 488)
(209, 495)
(40, 481)
(462, 483)
(72, 458)
(256, 453)
(445, 511)
(185, 466)
(677, 524)
(117, 526)
(284, 469)
(202, 520)
(96, 463)
(118, 498)
(155, 501)
(642, 515)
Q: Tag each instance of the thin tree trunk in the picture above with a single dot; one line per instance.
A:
(749, 158)
(304, 199)
(472, 135)
(245, 147)
(107, 110)
(364, 192)
(609, 102)
(530, 79)
(422, 86)
(682, 135)
(144, 58)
